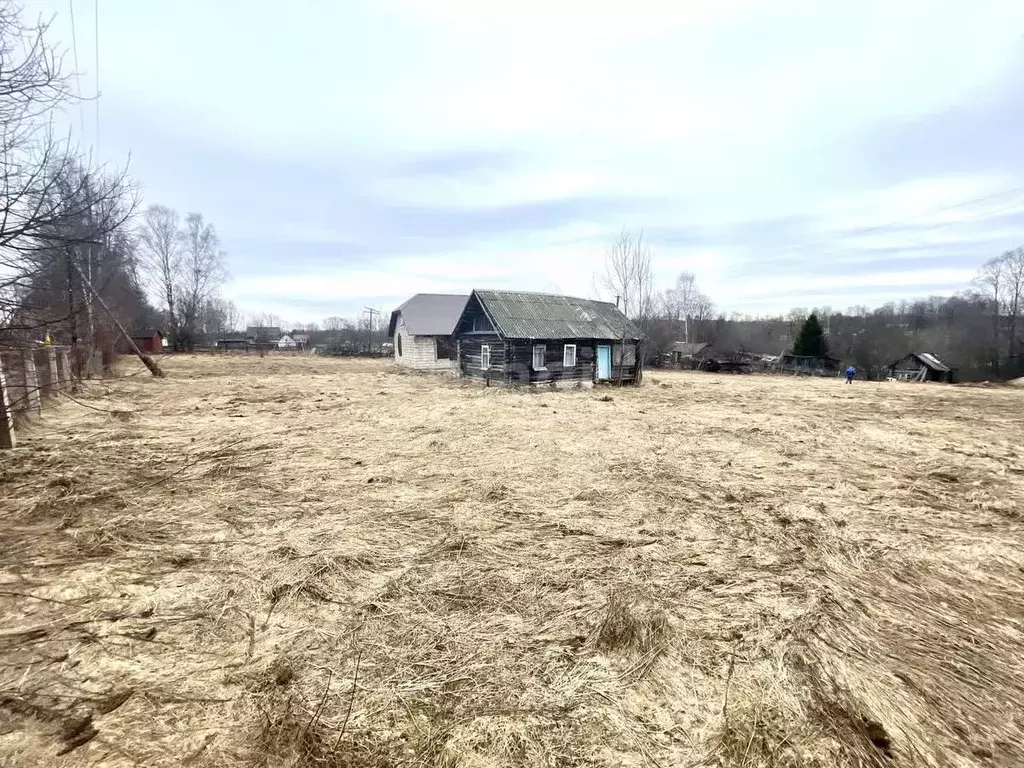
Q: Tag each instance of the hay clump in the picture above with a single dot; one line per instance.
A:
(631, 624)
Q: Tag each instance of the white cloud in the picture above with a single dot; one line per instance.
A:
(723, 111)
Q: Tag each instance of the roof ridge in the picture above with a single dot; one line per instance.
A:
(544, 293)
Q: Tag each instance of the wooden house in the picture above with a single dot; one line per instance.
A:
(421, 331)
(920, 366)
(516, 337)
(234, 341)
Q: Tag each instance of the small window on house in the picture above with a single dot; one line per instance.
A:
(485, 357)
(399, 345)
(569, 356)
(538, 356)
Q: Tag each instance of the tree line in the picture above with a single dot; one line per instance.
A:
(72, 231)
(978, 331)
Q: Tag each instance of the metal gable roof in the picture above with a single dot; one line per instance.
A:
(522, 315)
(429, 314)
(932, 361)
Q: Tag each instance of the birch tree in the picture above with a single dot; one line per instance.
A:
(202, 273)
(160, 236)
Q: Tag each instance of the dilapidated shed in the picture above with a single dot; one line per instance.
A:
(920, 366)
(682, 353)
(519, 337)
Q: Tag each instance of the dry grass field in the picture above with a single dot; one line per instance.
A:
(312, 562)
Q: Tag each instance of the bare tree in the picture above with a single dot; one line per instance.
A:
(218, 316)
(232, 316)
(54, 209)
(160, 235)
(32, 160)
(684, 302)
(992, 280)
(265, 320)
(1014, 278)
(629, 277)
(202, 273)
(702, 310)
(628, 274)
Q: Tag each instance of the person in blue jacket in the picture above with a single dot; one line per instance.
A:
(850, 373)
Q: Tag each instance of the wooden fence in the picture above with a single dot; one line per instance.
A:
(30, 378)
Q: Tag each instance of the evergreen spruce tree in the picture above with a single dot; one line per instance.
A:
(811, 341)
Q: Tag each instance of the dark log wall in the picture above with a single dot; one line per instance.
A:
(520, 360)
(623, 365)
(469, 356)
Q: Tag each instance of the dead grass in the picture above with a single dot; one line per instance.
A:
(321, 563)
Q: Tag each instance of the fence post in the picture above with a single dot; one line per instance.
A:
(33, 402)
(53, 372)
(65, 364)
(7, 438)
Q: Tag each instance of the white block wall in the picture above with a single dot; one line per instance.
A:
(420, 352)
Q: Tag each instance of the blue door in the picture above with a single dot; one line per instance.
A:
(604, 362)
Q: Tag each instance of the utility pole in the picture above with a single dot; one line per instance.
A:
(371, 312)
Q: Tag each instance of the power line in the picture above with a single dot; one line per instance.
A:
(96, 18)
(78, 81)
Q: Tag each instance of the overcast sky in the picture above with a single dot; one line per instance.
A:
(354, 153)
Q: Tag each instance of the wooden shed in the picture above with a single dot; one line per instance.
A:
(683, 353)
(920, 366)
(517, 337)
(237, 342)
(149, 341)
(421, 331)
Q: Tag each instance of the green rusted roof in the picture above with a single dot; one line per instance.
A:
(521, 315)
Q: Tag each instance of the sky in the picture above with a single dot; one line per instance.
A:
(790, 153)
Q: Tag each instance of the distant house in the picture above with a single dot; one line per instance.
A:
(421, 330)
(684, 351)
(149, 341)
(263, 336)
(286, 342)
(920, 366)
(819, 365)
(517, 337)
